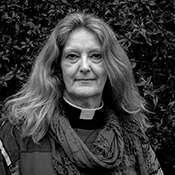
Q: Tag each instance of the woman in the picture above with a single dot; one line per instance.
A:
(80, 112)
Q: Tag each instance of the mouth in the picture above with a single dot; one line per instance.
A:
(85, 79)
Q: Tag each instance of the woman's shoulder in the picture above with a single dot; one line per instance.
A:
(9, 133)
(7, 129)
(9, 147)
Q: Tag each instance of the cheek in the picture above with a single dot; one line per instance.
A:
(103, 74)
(68, 76)
(65, 74)
(65, 69)
(68, 69)
(103, 80)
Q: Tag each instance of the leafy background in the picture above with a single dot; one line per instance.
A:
(146, 30)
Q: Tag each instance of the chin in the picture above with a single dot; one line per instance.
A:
(85, 94)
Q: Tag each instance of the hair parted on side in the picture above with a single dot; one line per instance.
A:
(37, 102)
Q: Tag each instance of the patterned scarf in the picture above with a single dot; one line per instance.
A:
(71, 156)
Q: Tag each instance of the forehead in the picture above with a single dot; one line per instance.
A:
(82, 37)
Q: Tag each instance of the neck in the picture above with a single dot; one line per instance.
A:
(82, 117)
(87, 103)
(82, 108)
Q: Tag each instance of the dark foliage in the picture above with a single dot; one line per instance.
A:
(145, 28)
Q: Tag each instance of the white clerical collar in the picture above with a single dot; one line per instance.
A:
(86, 114)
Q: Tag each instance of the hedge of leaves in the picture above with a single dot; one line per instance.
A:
(146, 30)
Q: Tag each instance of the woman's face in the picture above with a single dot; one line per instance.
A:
(82, 65)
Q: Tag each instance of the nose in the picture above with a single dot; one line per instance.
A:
(84, 65)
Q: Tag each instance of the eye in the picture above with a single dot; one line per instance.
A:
(72, 57)
(96, 56)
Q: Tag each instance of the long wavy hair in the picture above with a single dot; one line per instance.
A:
(37, 102)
